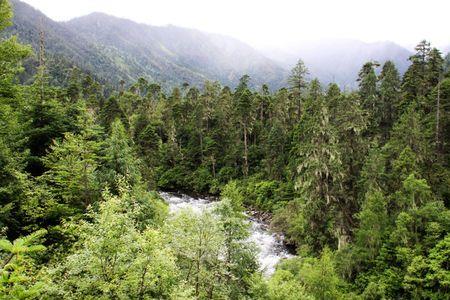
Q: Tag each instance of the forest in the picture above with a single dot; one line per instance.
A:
(357, 182)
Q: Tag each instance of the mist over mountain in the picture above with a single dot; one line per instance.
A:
(173, 52)
(64, 48)
(115, 49)
(339, 60)
(447, 50)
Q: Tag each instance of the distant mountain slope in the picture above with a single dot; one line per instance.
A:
(340, 60)
(61, 43)
(115, 49)
(185, 53)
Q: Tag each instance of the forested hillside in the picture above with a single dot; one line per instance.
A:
(114, 49)
(356, 181)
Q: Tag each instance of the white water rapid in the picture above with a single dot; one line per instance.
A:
(271, 248)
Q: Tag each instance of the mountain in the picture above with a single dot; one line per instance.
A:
(63, 46)
(339, 60)
(186, 53)
(113, 49)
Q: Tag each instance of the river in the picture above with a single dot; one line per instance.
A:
(271, 248)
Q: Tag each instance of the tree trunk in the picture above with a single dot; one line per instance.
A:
(245, 152)
(201, 146)
(214, 166)
(438, 108)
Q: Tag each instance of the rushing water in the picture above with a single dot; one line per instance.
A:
(271, 248)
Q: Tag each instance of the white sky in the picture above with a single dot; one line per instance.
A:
(277, 23)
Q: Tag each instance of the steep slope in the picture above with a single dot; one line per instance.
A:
(340, 60)
(115, 49)
(190, 55)
(132, 49)
(61, 44)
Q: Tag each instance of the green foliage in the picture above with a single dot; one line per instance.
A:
(319, 165)
(213, 255)
(315, 278)
(373, 219)
(283, 285)
(120, 158)
(18, 275)
(5, 15)
(114, 259)
(390, 96)
(356, 181)
(73, 166)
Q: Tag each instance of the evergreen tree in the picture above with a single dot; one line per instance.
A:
(349, 122)
(13, 126)
(415, 82)
(73, 165)
(319, 168)
(390, 85)
(120, 159)
(244, 111)
(19, 280)
(298, 82)
(367, 81)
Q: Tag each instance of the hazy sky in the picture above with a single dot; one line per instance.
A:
(279, 22)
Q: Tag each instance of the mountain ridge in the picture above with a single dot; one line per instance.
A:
(116, 49)
(214, 56)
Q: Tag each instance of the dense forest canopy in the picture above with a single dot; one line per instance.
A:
(357, 182)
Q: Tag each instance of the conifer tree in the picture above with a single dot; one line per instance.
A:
(319, 167)
(298, 82)
(390, 86)
(350, 122)
(13, 127)
(435, 67)
(17, 280)
(120, 159)
(73, 164)
(367, 81)
(244, 109)
(415, 82)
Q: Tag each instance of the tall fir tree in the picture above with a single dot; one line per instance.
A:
(390, 97)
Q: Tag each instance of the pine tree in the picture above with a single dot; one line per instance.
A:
(120, 159)
(367, 81)
(349, 122)
(409, 132)
(390, 97)
(11, 53)
(13, 127)
(17, 279)
(243, 99)
(373, 221)
(319, 167)
(435, 67)
(415, 82)
(73, 165)
(298, 82)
